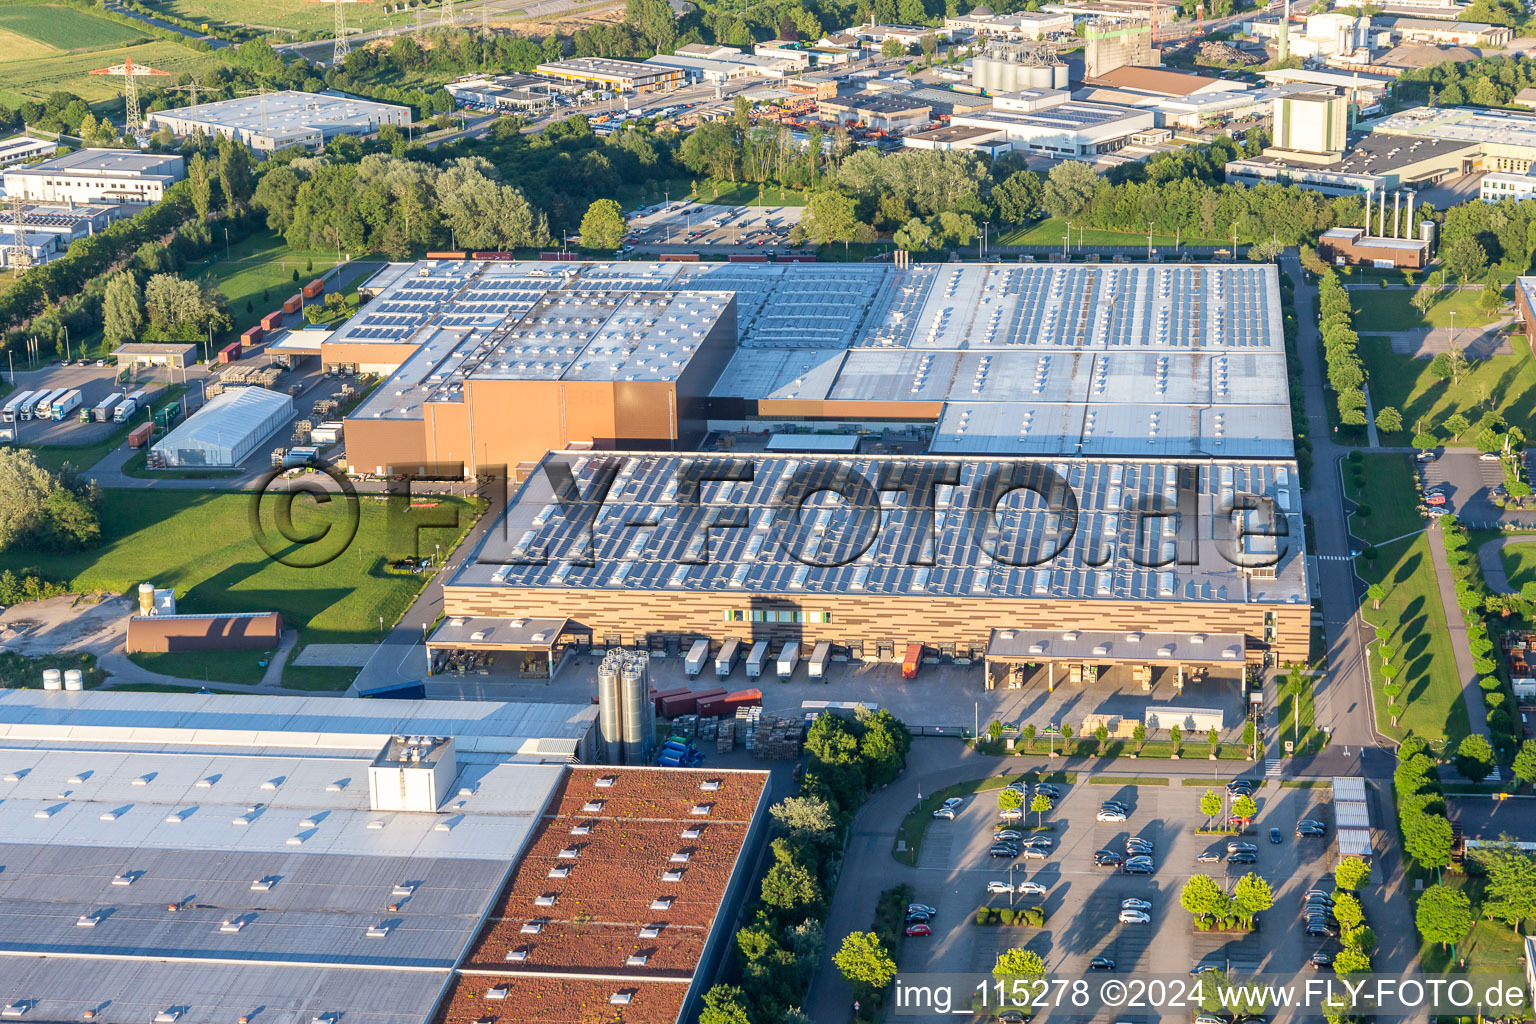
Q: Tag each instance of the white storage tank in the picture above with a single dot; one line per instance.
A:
(74, 679)
(146, 599)
(53, 679)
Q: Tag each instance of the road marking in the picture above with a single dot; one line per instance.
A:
(1272, 767)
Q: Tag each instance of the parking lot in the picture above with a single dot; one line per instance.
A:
(756, 228)
(1083, 901)
(1469, 484)
(94, 383)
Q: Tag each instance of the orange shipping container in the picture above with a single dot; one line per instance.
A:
(272, 321)
(293, 304)
(252, 337)
(910, 663)
(139, 437)
(314, 288)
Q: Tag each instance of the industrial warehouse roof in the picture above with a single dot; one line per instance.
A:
(278, 722)
(227, 420)
(1106, 646)
(106, 163)
(284, 114)
(1198, 345)
(1507, 128)
(643, 537)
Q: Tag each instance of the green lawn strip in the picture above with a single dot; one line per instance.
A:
(65, 28)
(915, 825)
(1391, 309)
(1307, 738)
(36, 77)
(1383, 484)
(211, 667)
(1126, 780)
(262, 262)
(319, 677)
(1304, 784)
(1430, 705)
(166, 688)
(201, 544)
(84, 456)
(1051, 231)
(1491, 947)
(17, 671)
(1405, 383)
(714, 192)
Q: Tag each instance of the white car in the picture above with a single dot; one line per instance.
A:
(953, 801)
(999, 887)
(1134, 904)
(1013, 814)
(1135, 917)
(945, 812)
(1111, 816)
(1029, 889)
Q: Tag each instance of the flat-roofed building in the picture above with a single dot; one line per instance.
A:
(1504, 140)
(503, 92)
(97, 176)
(1375, 162)
(277, 120)
(1163, 81)
(980, 140)
(21, 148)
(606, 73)
(879, 111)
(1448, 33)
(1020, 25)
(1069, 129)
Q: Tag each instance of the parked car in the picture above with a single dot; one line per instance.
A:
(1274, 836)
(1039, 842)
(1238, 821)
(1117, 805)
(1311, 832)
(1101, 963)
(1322, 960)
(1242, 857)
(1029, 889)
(1138, 867)
(1320, 931)
(918, 929)
(1209, 857)
(916, 919)
(1135, 904)
(1203, 968)
(1011, 814)
(1035, 853)
(1005, 851)
(1206, 1018)
(947, 813)
(1108, 859)
(1008, 834)
(1242, 848)
(1135, 917)
(1311, 823)
(999, 888)
(1488, 457)
(953, 801)
(921, 908)
(1240, 786)
(1324, 893)
(1049, 790)
(1111, 816)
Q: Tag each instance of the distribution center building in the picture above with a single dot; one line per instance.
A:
(226, 430)
(202, 858)
(271, 121)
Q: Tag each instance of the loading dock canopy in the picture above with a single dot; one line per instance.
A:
(489, 633)
(1116, 647)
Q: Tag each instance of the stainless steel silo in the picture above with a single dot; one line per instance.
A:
(610, 730)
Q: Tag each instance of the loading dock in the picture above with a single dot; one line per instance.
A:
(1015, 657)
(530, 648)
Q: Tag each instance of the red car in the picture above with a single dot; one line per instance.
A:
(918, 929)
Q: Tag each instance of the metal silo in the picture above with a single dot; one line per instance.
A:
(609, 730)
(74, 679)
(53, 679)
(634, 684)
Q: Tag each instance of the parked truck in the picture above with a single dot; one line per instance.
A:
(66, 404)
(102, 413)
(44, 408)
(725, 661)
(789, 659)
(757, 659)
(698, 655)
(124, 410)
(816, 668)
(28, 407)
(12, 409)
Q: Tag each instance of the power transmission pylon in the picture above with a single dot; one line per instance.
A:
(342, 49)
(447, 17)
(131, 72)
(485, 17)
(20, 255)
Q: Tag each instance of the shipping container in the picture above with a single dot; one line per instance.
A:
(910, 663)
(293, 304)
(795, 258)
(395, 691)
(71, 401)
(563, 257)
(314, 288)
(304, 455)
(229, 353)
(757, 659)
(789, 658)
(660, 697)
(698, 654)
(725, 661)
(125, 409)
(710, 703)
(103, 411)
(816, 668)
(272, 321)
(501, 256)
(683, 703)
(446, 255)
(10, 413)
(139, 436)
(678, 257)
(749, 257)
(252, 337)
(328, 432)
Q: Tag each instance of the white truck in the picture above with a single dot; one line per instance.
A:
(789, 658)
(66, 404)
(124, 410)
(13, 407)
(102, 413)
(698, 656)
(725, 661)
(757, 659)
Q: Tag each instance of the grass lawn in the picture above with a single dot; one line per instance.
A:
(202, 545)
(18, 671)
(164, 688)
(319, 677)
(64, 28)
(262, 262)
(1404, 383)
(1519, 563)
(1051, 230)
(1307, 738)
(745, 193)
(1127, 780)
(1491, 947)
(1384, 484)
(33, 78)
(1390, 309)
(208, 666)
(278, 15)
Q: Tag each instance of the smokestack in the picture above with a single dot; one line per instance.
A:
(1285, 32)
(1381, 214)
(1368, 194)
(1408, 220)
(1397, 201)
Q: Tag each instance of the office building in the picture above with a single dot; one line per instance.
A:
(889, 113)
(1499, 185)
(268, 122)
(21, 148)
(96, 176)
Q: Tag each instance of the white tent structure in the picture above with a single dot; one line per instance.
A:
(227, 429)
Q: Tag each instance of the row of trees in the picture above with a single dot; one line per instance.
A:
(1445, 913)
(1341, 350)
(41, 510)
(1490, 82)
(782, 936)
(1215, 907)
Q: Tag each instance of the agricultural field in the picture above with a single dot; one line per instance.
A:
(63, 29)
(294, 16)
(33, 78)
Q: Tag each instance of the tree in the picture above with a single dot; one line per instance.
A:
(863, 960)
(1474, 757)
(42, 509)
(725, 1004)
(1351, 873)
(1176, 735)
(1425, 441)
(1465, 257)
(602, 226)
(1525, 762)
(1210, 805)
(1351, 961)
(1265, 251)
(1018, 197)
(122, 312)
(891, 48)
(234, 171)
(1028, 735)
(805, 817)
(1139, 734)
(1443, 915)
(789, 885)
(1457, 424)
(1202, 897)
(1389, 420)
(1347, 909)
(1009, 800)
(1251, 895)
(1509, 893)
(1069, 188)
(1016, 963)
(1427, 839)
(831, 217)
(1040, 804)
(200, 178)
(1244, 807)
